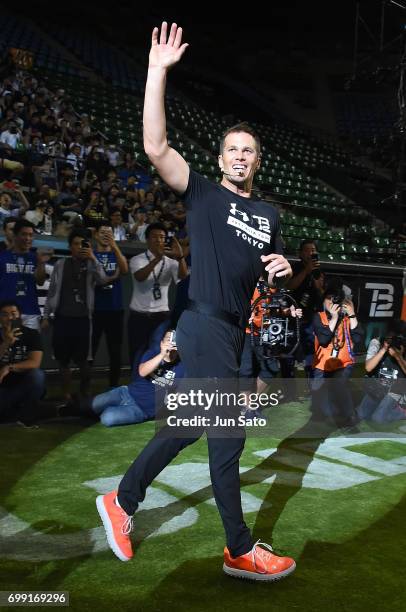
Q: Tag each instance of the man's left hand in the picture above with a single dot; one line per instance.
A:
(175, 250)
(86, 253)
(277, 266)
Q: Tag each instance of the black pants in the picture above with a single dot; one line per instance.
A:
(109, 322)
(141, 326)
(208, 347)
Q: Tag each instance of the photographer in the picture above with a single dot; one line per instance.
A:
(159, 371)
(385, 386)
(71, 301)
(108, 313)
(22, 382)
(153, 271)
(306, 286)
(336, 330)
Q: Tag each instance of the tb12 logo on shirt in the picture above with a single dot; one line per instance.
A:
(253, 229)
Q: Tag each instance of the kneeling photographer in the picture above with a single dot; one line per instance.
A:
(385, 385)
(336, 331)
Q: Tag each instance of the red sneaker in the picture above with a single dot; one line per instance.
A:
(258, 564)
(118, 525)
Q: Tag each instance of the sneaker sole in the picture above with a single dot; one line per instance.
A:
(237, 573)
(101, 509)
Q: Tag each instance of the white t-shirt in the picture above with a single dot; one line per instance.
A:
(11, 139)
(142, 298)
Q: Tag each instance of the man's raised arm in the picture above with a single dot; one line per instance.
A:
(165, 53)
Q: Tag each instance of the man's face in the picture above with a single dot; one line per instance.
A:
(307, 251)
(141, 217)
(240, 158)
(116, 218)
(101, 235)
(8, 314)
(23, 240)
(5, 200)
(156, 240)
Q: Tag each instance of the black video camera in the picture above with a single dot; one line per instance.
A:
(279, 332)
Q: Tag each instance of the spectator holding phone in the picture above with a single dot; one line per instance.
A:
(70, 302)
(159, 371)
(22, 382)
(108, 309)
(152, 271)
(21, 270)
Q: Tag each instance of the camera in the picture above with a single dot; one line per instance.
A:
(337, 299)
(278, 334)
(396, 342)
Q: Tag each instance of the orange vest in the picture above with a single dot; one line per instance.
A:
(258, 312)
(322, 354)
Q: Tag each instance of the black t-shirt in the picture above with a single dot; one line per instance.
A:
(30, 340)
(228, 234)
(306, 294)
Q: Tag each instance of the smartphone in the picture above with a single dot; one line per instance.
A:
(315, 256)
(168, 241)
(172, 337)
(15, 324)
(85, 244)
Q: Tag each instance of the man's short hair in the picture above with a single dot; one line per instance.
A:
(305, 242)
(78, 233)
(7, 303)
(241, 127)
(101, 223)
(155, 226)
(20, 224)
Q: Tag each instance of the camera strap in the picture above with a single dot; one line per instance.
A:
(156, 277)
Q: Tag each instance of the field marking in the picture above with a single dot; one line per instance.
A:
(21, 541)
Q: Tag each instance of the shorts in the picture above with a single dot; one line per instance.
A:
(71, 339)
(254, 364)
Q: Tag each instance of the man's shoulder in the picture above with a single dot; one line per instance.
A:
(142, 255)
(29, 333)
(198, 182)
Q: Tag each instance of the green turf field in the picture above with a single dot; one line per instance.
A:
(336, 504)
